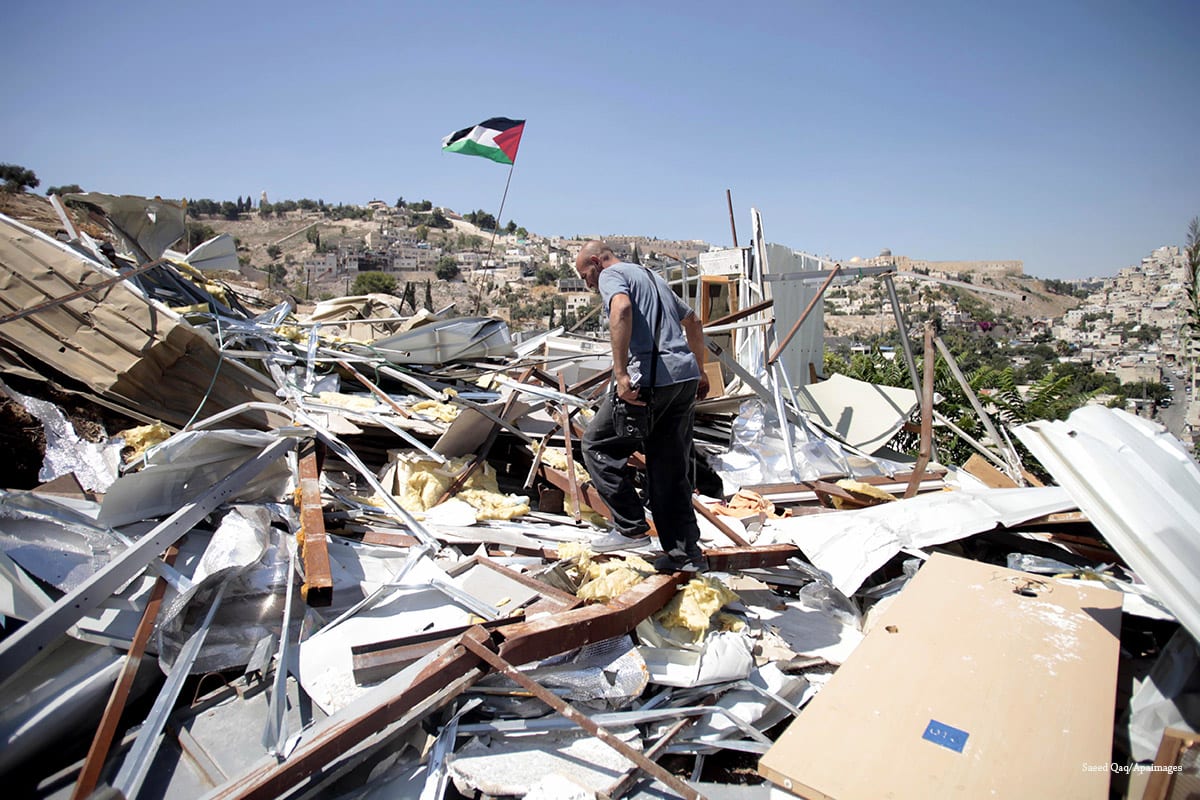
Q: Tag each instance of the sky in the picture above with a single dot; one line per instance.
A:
(1063, 134)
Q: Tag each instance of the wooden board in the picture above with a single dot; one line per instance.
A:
(966, 687)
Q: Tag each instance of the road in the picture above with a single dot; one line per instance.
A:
(1174, 416)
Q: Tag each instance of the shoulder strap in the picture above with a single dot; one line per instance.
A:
(658, 318)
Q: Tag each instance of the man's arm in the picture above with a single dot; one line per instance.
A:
(695, 339)
(620, 331)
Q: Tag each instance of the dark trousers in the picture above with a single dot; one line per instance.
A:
(668, 451)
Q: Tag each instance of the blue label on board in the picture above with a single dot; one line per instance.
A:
(946, 735)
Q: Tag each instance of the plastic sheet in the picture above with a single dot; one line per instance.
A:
(95, 465)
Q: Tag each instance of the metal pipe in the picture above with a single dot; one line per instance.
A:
(570, 712)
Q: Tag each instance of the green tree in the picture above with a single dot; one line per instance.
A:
(198, 232)
(17, 179)
(422, 233)
(273, 251)
(70, 188)
(511, 227)
(438, 220)
(374, 283)
(446, 269)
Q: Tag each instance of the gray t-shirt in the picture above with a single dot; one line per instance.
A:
(648, 292)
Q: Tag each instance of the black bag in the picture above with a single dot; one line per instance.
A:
(631, 421)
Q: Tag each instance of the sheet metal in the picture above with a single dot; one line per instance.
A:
(1139, 487)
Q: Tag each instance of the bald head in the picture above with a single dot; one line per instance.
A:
(593, 257)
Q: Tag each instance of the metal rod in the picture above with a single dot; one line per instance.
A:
(274, 733)
(902, 329)
(969, 439)
(375, 390)
(717, 522)
(803, 316)
(570, 712)
(1013, 463)
(926, 450)
(739, 315)
(732, 224)
(66, 298)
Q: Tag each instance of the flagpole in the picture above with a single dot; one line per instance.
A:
(496, 229)
(500, 213)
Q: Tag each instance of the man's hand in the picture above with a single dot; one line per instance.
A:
(627, 390)
(702, 389)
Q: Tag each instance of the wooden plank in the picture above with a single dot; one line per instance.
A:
(978, 466)
(1167, 770)
(979, 681)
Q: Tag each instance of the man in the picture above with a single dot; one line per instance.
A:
(658, 355)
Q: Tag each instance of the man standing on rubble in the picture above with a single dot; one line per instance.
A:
(658, 374)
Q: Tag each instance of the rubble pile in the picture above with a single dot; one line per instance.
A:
(345, 554)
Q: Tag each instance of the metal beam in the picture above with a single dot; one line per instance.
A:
(318, 581)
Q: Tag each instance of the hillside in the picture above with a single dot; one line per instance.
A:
(1026, 299)
(282, 243)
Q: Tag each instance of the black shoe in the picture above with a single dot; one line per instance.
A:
(669, 563)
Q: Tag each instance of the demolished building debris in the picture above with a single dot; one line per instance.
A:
(344, 554)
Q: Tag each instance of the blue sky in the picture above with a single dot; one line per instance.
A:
(1060, 133)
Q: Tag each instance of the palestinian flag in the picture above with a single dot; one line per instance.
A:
(496, 138)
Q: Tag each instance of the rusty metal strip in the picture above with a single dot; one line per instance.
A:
(447, 675)
(737, 316)
(719, 523)
(381, 660)
(731, 559)
(89, 775)
(623, 784)
(317, 589)
(505, 668)
(66, 298)
(588, 492)
(803, 316)
(455, 667)
(926, 450)
(563, 600)
(558, 633)
(375, 390)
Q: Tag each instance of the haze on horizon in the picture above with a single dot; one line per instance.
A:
(1060, 134)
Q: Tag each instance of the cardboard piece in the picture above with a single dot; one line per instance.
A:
(979, 681)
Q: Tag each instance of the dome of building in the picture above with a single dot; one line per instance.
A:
(885, 252)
